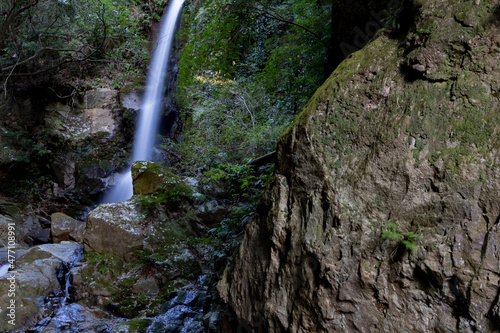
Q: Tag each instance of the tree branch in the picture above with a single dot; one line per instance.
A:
(11, 16)
(278, 17)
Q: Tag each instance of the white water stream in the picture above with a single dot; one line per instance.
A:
(4, 269)
(147, 127)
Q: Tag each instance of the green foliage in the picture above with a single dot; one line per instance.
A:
(241, 180)
(79, 34)
(247, 185)
(408, 239)
(245, 73)
(172, 194)
(104, 263)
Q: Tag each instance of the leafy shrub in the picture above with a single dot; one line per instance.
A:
(168, 195)
(244, 74)
(408, 239)
(241, 180)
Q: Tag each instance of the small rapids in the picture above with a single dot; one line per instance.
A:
(4, 269)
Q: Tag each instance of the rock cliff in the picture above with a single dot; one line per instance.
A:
(404, 134)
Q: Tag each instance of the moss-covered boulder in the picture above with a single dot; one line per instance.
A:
(149, 178)
(404, 132)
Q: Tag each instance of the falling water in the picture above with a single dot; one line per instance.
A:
(4, 269)
(147, 128)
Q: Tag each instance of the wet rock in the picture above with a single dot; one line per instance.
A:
(65, 228)
(183, 314)
(74, 318)
(132, 99)
(36, 275)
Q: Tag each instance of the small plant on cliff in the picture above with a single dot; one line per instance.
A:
(408, 239)
(166, 196)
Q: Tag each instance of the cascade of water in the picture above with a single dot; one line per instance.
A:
(147, 127)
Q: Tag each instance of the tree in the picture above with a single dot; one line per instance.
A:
(39, 36)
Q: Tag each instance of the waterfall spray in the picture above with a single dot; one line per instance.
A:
(147, 127)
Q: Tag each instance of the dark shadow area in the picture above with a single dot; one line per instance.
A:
(427, 280)
(355, 22)
(494, 19)
(461, 302)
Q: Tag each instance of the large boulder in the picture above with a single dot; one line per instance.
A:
(115, 228)
(90, 116)
(401, 140)
(35, 276)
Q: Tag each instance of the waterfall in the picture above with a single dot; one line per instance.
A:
(147, 127)
(4, 269)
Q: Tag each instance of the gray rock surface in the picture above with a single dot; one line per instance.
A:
(114, 228)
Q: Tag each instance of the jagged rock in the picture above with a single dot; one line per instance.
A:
(76, 318)
(42, 237)
(212, 212)
(114, 228)
(34, 278)
(27, 228)
(182, 314)
(65, 228)
(404, 131)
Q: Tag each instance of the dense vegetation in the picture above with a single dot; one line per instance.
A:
(77, 43)
(246, 69)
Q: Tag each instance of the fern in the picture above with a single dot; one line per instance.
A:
(408, 239)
